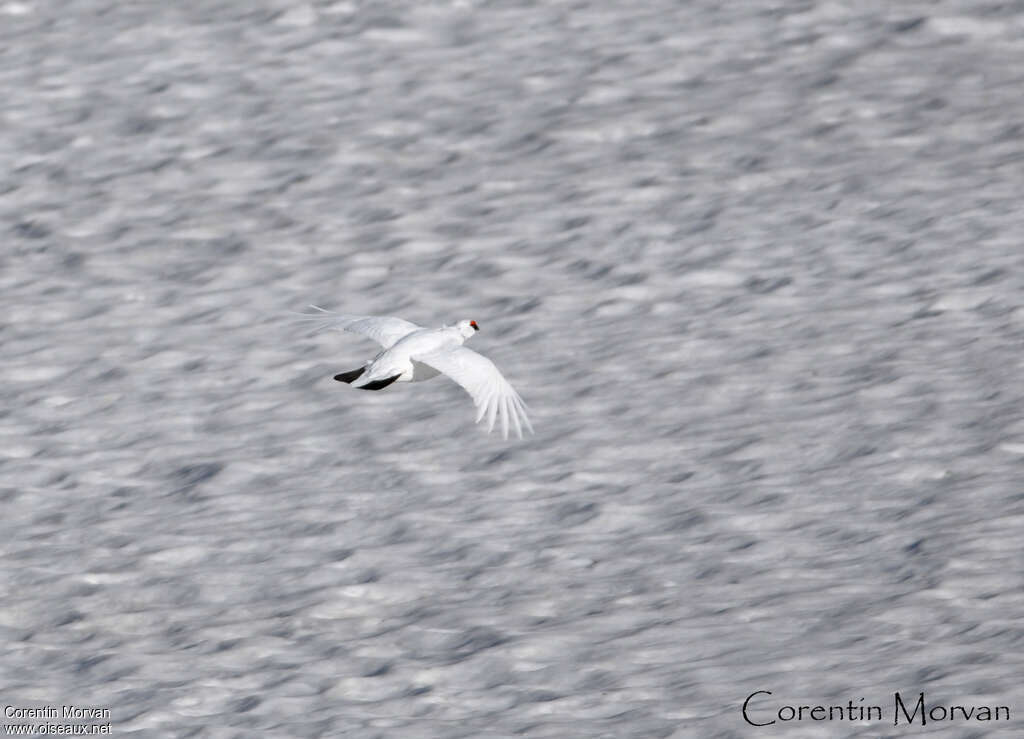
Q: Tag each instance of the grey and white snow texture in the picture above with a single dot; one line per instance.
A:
(756, 267)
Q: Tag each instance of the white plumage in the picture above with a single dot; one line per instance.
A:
(412, 353)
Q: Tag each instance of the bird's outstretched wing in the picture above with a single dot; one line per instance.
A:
(385, 330)
(492, 394)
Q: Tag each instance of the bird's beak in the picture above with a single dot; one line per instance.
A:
(473, 324)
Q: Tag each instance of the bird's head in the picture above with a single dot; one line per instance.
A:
(467, 328)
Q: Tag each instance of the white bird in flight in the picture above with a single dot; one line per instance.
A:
(412, 353)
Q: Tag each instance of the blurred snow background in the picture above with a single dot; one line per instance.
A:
(756, 268)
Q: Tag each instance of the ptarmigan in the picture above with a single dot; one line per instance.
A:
(412, 353)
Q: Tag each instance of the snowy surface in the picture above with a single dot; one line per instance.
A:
(756, 268)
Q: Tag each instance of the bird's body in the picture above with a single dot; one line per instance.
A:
(412, 353)
(398, 359)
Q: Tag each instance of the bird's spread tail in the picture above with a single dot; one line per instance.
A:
(379, 384)
(350, 375)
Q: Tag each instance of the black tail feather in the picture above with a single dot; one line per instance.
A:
(350, 376)
(380, 384)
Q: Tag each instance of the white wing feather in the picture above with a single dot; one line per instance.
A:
(491, 392)
(385, 330)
